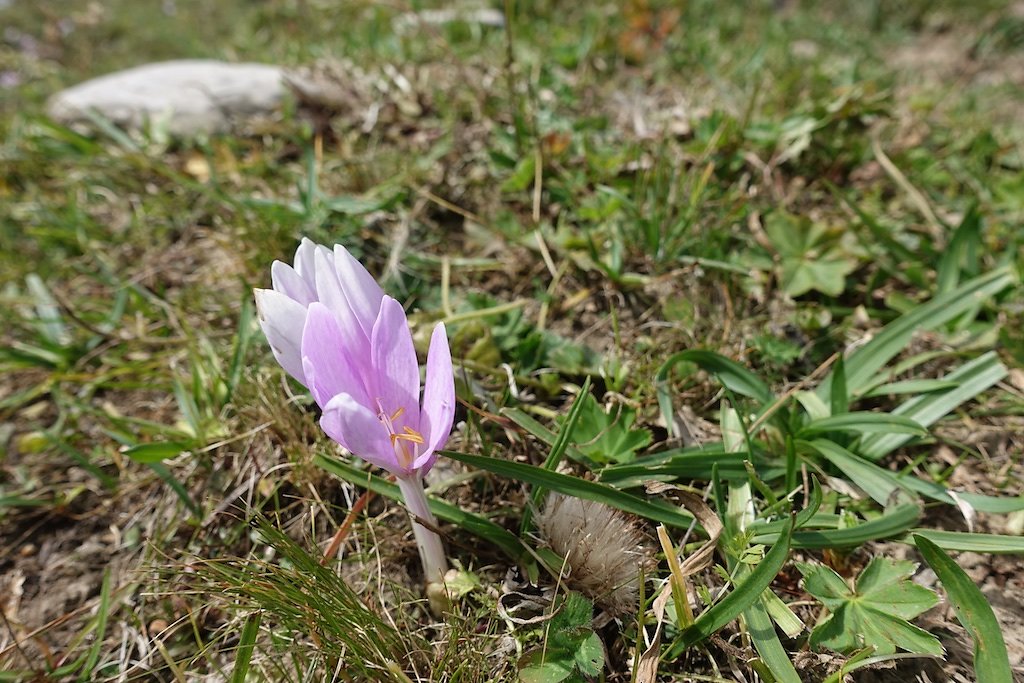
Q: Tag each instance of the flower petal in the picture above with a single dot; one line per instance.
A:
(396, 377)
(357, 428)
(327, 364)
(438, 410)
(282, 320)
(329, 292)
(361, 290)
(287, 281)
(305, 264)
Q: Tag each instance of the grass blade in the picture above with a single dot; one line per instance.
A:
(102, 613)
(576, 487)
(971, 379)
(731, 374)
(474, 524)
(892, 523)
(766, 642)
(991, 660)
(864, 422)
(962, 541)
(740, 598)
(556, 453)
(862, 364)
(246, 644)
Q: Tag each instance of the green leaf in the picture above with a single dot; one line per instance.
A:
(688, 463)
(745, 593)
(991, 660)
(474, 524)
(811, 257)
(910, 386)
(608, 436)
(893, 523)
(571, 645)
(766, 642)
(863, 423)
(862, 364)
(522, 176)
(961, 254)
(589, 656)
(158, 451)
(971, 379)
(840, 397)
(880, 483)
(579, 488)
(558, 449)
(246, 644)
(875, 613)
(995, 544)
(102, 615)
(731, 374)
(540, 666)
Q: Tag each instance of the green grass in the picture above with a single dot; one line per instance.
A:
(725, 221)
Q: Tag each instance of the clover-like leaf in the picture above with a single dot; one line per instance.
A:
(608, 437)
(572, 650)
(876, 612)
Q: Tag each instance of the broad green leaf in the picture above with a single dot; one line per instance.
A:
(810, 253)
(608, 436)
(876, 612)
(541, 666)
(862, 364)
(589, 657)
(991, 660)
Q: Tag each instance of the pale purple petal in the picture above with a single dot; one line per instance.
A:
(396, 381)
(357, 428)
(291, 284)
(305, 264)
(438, 410)
(361, 290)
(329, 293)
(282, 320)
(328, 367)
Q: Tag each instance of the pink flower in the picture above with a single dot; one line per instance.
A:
(332, 328)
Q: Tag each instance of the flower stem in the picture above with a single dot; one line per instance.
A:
(435, 563)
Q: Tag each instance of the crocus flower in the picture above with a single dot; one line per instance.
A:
(334, 330)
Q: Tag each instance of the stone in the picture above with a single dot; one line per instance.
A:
(188, 98)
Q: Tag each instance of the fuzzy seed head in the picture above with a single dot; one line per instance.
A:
(604, 550)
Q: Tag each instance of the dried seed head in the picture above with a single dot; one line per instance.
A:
(604, 550)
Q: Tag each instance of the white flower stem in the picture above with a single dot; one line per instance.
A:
(435, 563)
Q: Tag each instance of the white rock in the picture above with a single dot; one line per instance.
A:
(189, 97)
